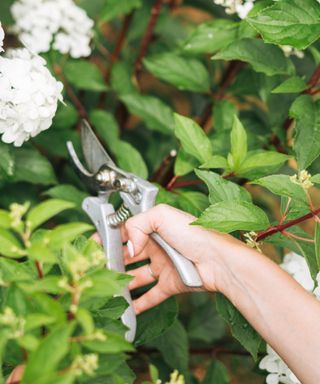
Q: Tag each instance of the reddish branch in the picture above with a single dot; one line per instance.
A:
(39, 269)
(155, 12)
(120, 43)
(282, 227)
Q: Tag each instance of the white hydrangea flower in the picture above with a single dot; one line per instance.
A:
(60, 23)
(279, 372)
(29, 96)
(1, 37)
(241, 7)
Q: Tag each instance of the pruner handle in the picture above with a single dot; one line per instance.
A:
(185, 267)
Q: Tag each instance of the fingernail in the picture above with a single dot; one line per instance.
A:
(130, 248)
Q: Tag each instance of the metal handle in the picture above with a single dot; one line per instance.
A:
(186, 269)
(98, 210)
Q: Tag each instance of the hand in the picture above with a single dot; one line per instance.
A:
(202, 247)
(16, 375)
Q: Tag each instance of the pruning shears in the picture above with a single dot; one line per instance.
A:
(103, 177)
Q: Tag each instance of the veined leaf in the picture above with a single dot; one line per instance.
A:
(292, 85)
(215, 161)
(265, 58)
(216, 373)
(106, 126)
(283, 186)
(84, 75)
(221, 189)
(289, 22)
(193, 202)
(45, 211)
(184, 163)
(193, 140)
(211, 36)
(9, 245)
(155, 113)
(184, 73)
(66, 233)
(5, 219)
(239, 145)
(306, 112)
(240, 328)
(262, 159)
(228, 216)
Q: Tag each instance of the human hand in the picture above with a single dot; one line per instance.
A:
(16, 375)
(201, 246)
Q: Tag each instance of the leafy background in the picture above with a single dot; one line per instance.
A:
(155, 62)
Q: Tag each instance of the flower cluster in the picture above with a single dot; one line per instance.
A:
(278, 371)
(290, 51)
(9, 320)
(1, 38)
(241, 7)
(85, 364)
(40, 23)
(29, 96)
(303, 179)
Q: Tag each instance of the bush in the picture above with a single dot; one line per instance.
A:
(244, 161)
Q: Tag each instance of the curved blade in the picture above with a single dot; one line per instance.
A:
(93, 151)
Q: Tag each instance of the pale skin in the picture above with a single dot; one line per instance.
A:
(284, 314)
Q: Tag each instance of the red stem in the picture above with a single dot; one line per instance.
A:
(155, 12)
(39, 269)
(281, 227)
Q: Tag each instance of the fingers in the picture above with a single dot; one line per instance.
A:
(149, 300)
(16, 375)
(142, 276)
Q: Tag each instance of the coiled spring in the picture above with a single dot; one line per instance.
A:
(119, 217)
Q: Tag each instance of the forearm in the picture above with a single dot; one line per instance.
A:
(285, 315)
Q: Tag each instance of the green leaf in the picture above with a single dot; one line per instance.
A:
(217, 374)
(84, 75)
(45, 211)
(105, 283)
(68, 193)
(262, 159)
(184, 73)
(156, 114)
(223, 114)
(114, 343)
(9, 245)
(6, 159)
(184, 163)
(240, 328)
(289, 22)
(130, 159)
(174, 347)
(294, 84)
(317, 244)
(306, 145)
(215, 161)
(193, 202)
(47, 356)
(105, 125)
(33, 168)
(155, 321)
(66, 117)
(283, 186)
(114, 8)
(264, 58)
(221, 189)
(5, 219)
(121, 79)
(66, 233)
(228, 216)
(239, 148)
(36, 320)
(12, 271)
(41, 253)
(211, 36)
(316, 178)
(193, 139)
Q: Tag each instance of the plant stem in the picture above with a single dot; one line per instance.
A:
(155, 12)
(39, 269)
(74, 98)
(281, 227)
(289, 234)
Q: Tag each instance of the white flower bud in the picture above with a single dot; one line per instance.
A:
(60, 23)
(29, 96)
(241, 7)
(303, 178)
(85, 364)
